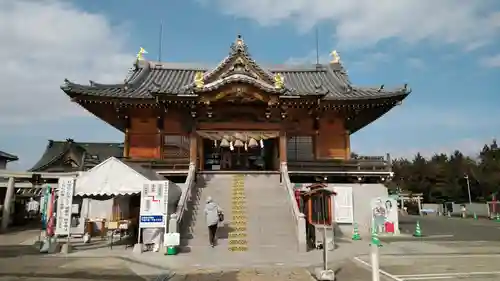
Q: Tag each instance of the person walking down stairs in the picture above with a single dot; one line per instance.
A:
(213, 215)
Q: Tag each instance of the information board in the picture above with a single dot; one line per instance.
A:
(65, 190)
(154, 202)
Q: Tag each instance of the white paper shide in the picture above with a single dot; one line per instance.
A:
(65, 190)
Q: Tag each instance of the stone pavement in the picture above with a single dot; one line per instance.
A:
(46, 268)
(438, 266)
(15, 237)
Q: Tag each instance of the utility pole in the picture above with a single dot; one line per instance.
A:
(468, 188)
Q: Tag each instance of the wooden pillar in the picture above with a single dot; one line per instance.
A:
(201, 155)
(347, 145)
(8, 200)
(159, 141)
(193, 148)
(283, 150)
(126, 143)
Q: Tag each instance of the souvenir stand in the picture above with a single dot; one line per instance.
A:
(110, 197)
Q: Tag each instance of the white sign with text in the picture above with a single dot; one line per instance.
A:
(154, 201)
(65, 190)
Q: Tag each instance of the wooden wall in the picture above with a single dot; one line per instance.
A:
(144, 141)
(145, 135)
(331, 140)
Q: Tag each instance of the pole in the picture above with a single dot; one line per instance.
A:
(317, 45)
(468, 188)
(160, 41)
(325, 250)
(374, 257)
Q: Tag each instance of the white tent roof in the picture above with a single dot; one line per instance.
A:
(111, 177)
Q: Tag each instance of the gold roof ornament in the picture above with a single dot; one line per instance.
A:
(198, 80)
(239, 40)
(140, 54)
(335, 57)
(279, 82)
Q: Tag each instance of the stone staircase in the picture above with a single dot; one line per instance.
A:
(257, 216)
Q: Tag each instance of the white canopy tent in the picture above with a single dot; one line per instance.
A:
(116, 179)
(112, 177)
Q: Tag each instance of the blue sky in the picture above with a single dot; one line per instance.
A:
(448, 52)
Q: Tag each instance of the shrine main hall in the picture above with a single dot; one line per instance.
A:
(237, 116)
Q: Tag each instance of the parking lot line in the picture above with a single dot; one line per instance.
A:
(437, 256)
(429, 278)
(450, 274)
(383, 272)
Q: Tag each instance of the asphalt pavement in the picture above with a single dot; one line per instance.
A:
(450, 229)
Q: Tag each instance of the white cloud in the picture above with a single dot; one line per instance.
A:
(45, 41)
(471, 24)
(492, 61)
(415, 63)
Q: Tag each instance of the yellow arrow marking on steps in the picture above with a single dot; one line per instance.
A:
(240, 208)
(237, 235)
(239, 217)
(238, 248)
(242, 198)
(238, 242)
(238, 223)
(240, 229)
(238, 212)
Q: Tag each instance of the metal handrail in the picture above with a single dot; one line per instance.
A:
(299, 217)
(176, 218)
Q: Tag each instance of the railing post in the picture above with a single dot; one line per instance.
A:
(301, 233)
(173, 226)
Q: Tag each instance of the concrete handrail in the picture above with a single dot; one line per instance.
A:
(299, 217)
(176, 218)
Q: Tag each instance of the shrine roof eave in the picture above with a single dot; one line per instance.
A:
(161, 96)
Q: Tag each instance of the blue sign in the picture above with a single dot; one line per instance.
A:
(151, 219)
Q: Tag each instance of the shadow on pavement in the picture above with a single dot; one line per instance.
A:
(11, 251)
(80, 275)
(217, 275)
(33, 225)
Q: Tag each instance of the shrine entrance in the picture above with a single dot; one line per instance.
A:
(239, 151)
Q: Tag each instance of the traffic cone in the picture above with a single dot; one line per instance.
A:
(375, 240)
(475, 216)
(355, 233)
(418, 231)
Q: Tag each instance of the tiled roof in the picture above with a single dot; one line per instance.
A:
(8, 156)
(149, 79)
(87, 154)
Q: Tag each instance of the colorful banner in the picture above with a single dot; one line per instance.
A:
(43, 210)
(50, 212)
